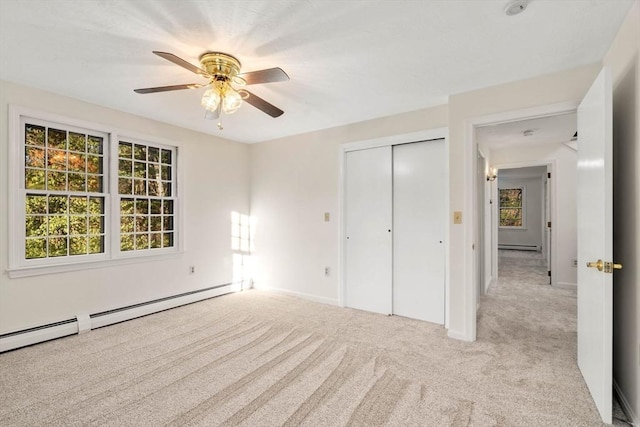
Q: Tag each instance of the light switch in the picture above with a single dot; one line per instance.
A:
(326, 217)
(457, 217)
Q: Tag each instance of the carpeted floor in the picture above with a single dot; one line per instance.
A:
(263, 359)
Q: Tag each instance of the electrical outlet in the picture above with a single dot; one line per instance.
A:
(192, 269)
(327, 271)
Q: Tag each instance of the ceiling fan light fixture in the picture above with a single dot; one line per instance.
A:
(231, 101)
(211, 99)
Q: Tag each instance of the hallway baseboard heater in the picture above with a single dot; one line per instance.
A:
(85, 322)
(519, 247)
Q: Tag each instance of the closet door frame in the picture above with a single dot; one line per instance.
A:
(429, 134)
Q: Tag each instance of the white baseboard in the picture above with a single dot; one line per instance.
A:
(132, 313)
(309, 297)
(626, 406)
(457, 335)
(84, 322)
(39, 335)
(566, 285)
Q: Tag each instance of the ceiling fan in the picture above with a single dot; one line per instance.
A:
(223, 72)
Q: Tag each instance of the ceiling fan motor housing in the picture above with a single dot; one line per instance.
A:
(220, 65)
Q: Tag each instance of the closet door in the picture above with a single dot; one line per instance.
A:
(419, 183)
(368, 216)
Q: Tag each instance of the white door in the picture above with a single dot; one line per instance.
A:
(368, 219)
(594, 202)
(419, 229)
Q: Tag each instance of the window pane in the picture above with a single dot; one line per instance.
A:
(77, 245)
(168, 223)
(57, 204)
(57, 181)
(156, 240)
(166, 189)
(124, 168)
(94, 184)
(142, 241)
(77, 205)
(78, 224)
(77, 162)
(153, 154)
(57, 159)
(124, 150)
(58, 225)
(36, 225)
(94, 144)
(168, 207)
(96, 244)
(34, 135)
(139, 152)
(126, 224)
(57, 246)
(34, 157)
(126, 206)
(57, 138)
(126, 242)
(156, 223)
(96, 225)
(96, 205)
(156, 206)
(77, 182)
(166, 173)
(142, 206)
(154, 171)
(34, 179)
(166, 157)
(153, 188)
(77, 142)
(140, 187)
(124, 185)
(167, 240)
(36, 204)
(94, 164)
(35, 248)
(511, 217)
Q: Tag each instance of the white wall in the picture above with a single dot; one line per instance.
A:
(216, 181)
(623, 58)
(294, 181)
(564, 211)
(531, 234)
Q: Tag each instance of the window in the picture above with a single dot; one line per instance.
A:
(84, 195)
(64, 202)
(511, 207)
(145, 189)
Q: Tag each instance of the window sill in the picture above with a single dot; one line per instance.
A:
(41, 270)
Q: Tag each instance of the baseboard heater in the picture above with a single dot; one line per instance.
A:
(86, 322)
(519, 247)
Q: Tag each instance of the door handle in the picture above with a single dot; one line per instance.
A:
(607, 267)
(598, 264)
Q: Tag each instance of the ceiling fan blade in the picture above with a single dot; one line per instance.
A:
(168, 88)
(181, 62)
(262, 105)
(213, 115)
(270, 75)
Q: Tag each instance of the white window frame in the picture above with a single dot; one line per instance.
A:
(19, 266)
(522, 208)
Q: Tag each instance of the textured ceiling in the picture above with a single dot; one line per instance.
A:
(545, 130)
(348, 61)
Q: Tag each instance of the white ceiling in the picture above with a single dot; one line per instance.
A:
(348, 60)
(546, 130)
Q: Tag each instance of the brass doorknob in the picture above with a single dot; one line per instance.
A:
(607, 267)
(598, 264)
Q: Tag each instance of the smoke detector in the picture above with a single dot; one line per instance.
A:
(515, 7)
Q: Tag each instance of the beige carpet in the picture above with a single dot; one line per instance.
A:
(264, 359)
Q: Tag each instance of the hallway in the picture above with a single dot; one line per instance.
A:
(522, 314)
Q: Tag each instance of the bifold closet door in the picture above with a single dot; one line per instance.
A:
(368, 216)
(419, 183)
